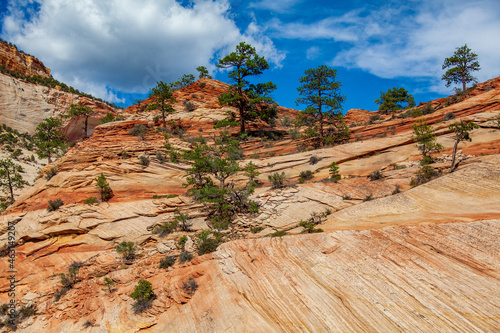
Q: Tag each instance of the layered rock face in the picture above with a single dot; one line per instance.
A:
(24, 64)
(424, 260)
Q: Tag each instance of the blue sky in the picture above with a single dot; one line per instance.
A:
(118, 49)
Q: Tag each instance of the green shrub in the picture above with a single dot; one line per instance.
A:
(294, 133)
(428, 109)
(368, 198)
(427, 160)
(190, 286)
(108, 284)
(314, 159)
(206, 244)
(160, 157)
(167, 262)
(374, 118)
(144, 160)
(68, 279)
(124, 154)
(104, 188)
(50, 173)
(185, 256)
(256, 230)
(449, 116)
(346, 197)
(334, 172)
(397, 190)
(309, 227)
(277, 180)
(305, 175)
(166, 228)
(182, 242)
(54, 204)
(143, 296)
(189, 106)
(376, 175)
(423, 175)
(279, 233)
(90, 201)
(127, 250)
(110, 117)
(138, 130)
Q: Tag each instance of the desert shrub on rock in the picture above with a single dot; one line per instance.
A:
(143, 296)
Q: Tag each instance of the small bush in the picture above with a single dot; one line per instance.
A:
(127, 250)
(167, 262)
(90, 201)
(368, 198)
(305, 175)
(294, 133)
(166, 228)
(376, 175)
(206, 244)
(185, 256)
(190, 286)
(396, 190)
(277, 180)
(286, 122)
(189, 106)
(138, 130)
(374, 118)
(279, 233)
(104, 188)
(202, 85)
(334, 172)
(143, 296)
(449, 116)
(144, 160)
(50, 173)
(160, 157)
(428, 109)
(256, 230)
(314, 159)
(108, 284)
(425, 174)
(426, 160)
(124, 154)
(182, 242)
(109, 117)
(346, 197)
(88, 324)
(54, 205)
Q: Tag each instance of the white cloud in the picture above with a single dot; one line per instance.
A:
(279, 6)
(313, 52)
(128, 45)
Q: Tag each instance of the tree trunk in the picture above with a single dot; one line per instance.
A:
(242, 120)
(164, 120)
(453, 156)
(10, 185)
(321, 129)
(463, 84)
(48, 156)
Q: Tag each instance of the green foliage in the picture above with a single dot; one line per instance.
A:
(190, 286)
(110, 117)
(279, 233)
(461, 131)
(305, 176)
(162, 95)
(396, 190)
(138, 130)
(185, 256)
(182, 220)
(90, 201)
(49, 140)
(143, 296)
(205, 243)
(166, 228)
(185, 81)
(423, 175)
(68, 280)
(231, 122)
(320, 92)
(461, 65)
(144, 160)
(376, 175)
(277, 180)
(127, 250)
(79, 110)
(252, 101)
(428, 109)
(189, 106)
(449, 116)
(167, 262)
(160, 157)
(203, 72)
(251, 172)
(51, 172)
(10, 177)
(104, 188)
(182, 242)
(334, 172)
(314, 159)
(256, 230)
(395, 99)
(54, 204)
(425, 138)
(108, 284)
(211, 166)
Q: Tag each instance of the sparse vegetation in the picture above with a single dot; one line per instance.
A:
(205, 243)
(396, 190)
(449, 116)
(368, 198)
(189, 106)
(425, 138)
(144, 160)
(127, 250)
(167, 262)
(278, 233)
(104, 188)
(256, 230)
(54, 204)
(49, 139)
(143, 296)
(138, 130)
(461, 131)
(90, 201)
(185, 256)
(108, 284)
(314, 159)
(277, 180)
(162, 94)
(305, 176)
(51, 172)
(68, 280)
(190, 286)
(376, 175)
(423, 175)
(334, 172)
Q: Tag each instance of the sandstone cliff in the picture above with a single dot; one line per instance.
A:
(24, 64)
(423, 260)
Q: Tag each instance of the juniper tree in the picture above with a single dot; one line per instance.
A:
(461, 65)
(162, 94)
(252, 101)
(395, 99)
(48, 138)
(203, 72)
(10, 177)
(321, 94)
(461, 131)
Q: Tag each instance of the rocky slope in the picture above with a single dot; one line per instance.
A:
(12, 59)
(424, 260)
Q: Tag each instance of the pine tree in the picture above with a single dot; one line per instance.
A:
(203, 72)
(321, 94)
(252, 101)
(425, 136)
(461, 131)
(49, 139)
(10, 177)
(164, 99)
(461, 64)
(395, 99)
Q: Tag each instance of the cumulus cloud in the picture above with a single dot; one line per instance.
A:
(312, 52)
(408, 40)
(127, 45)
